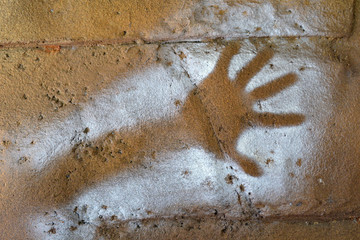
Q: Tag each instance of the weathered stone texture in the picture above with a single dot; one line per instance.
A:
(126, 21)
(135, 137)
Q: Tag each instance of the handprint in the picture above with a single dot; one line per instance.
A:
(213, 116)
(229, 108)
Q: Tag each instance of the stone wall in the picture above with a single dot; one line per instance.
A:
(179, 119)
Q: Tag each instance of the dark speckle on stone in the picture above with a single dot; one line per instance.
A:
(86, 130)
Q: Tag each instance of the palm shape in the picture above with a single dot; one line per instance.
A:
(214, 115)
(229, 107)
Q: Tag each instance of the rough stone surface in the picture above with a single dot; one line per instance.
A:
(240, 137)
(129, 20)
(229, 229)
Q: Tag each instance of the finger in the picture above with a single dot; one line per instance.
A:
(252, 68)
(249, 166)
(224, 60)
(274, 87)
(277, 120)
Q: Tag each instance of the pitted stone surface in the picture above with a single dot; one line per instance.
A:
(122, 120)
(125, 21)
(105, 142)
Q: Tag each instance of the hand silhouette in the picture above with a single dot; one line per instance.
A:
(229, 108)
(213, 116)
